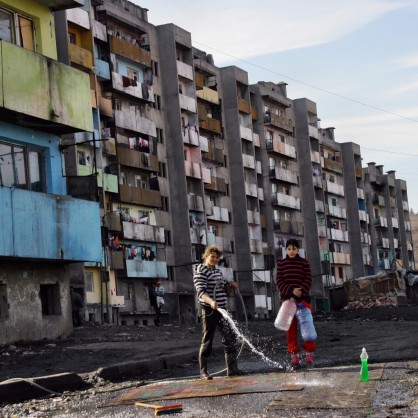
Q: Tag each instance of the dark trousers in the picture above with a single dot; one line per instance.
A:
(212, 319)
(157, 314)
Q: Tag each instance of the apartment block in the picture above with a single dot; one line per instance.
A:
(44, 230)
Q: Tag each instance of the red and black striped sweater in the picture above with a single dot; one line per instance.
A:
(292, 273)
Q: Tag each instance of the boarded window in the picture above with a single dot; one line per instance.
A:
(50, 299)
(4, 306)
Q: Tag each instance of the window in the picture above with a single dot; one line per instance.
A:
(17, 29)
(167, 237)
(132, 74)
(162, 172)
(89, 281)
(72, 37)
(155, 68)
(160, 136)
(21, 167)
(4, 306)
(50, 299)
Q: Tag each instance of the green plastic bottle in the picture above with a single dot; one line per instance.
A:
(364, 374)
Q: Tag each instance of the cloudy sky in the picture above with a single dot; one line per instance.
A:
(358, 60)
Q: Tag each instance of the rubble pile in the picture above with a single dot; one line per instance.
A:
(382, 289)
(371, 302)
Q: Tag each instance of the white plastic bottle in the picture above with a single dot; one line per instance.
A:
(285, 316)
(305, 320)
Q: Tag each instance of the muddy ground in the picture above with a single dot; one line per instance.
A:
(389, 334)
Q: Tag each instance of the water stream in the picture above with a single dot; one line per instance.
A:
(242, 337)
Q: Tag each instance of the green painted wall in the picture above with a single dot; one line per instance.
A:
(44, 24)
(37, 86)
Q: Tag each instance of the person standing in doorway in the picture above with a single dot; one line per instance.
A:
(156, 293)
(294, 280)
(211, 288)
(76, 306)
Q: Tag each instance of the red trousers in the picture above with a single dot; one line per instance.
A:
(292, 337)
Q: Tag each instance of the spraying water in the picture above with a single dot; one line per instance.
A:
(226, 316)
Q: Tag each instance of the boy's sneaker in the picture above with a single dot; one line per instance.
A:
(309, 360)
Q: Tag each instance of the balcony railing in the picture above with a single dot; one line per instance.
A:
(81, 56)
(184, 70)
(279, 121)
(49, 227)
(146, 269)
(244, 106)
(141, 232)
(208, 95)
(137, 195)
(131, 158)
(46, 92)
(135, 122)
(333, 165)
(132, 87)
(195, 203)
(128, 50)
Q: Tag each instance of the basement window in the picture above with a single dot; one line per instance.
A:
(50, 299)
(4, 306)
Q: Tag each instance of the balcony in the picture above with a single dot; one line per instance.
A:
(81, 56)
(260, 193)
(336, 211)
(315, 157)
(56, 5)
(381, 222)
(209, 124)
(360, 193)
(187, 103)
(109, 182)
(141, 232)
(103, 69)
(140, 196)
(383, 242)
(363, 216)
(217, 184)
(206, 175)
(215, 154)
(254, 114)
(334, 188)
(132, 88)
(193, 169)
(195, 203)
(333, 165)
(313, 130)
(317, 181)
(367, 260)
(405, 206)
(191, 136)
(281, 148)
(283, 175)
(49, 227)
(253, 217)
(256, 246)
(407, 225)
(219, 214)
(105, 106)
(146, 269)
(251, 189)
(337, 234)
(378, 200)
(281, 199)
(128, 50)
(359, 172)
(365, 238)
(248, 161)
(278, 121)
(184, 70)
(256, 139)
(136, 123)
(44, 97)
(246, 133)
(319, 205)
(111, 221)
(115, 260)
(208, 95)
(99, 31)
(322, 231)
(341, 258)
(131, 158)
(244, 106)
(395, 223)
(204, 143)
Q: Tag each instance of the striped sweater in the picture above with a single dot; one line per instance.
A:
(293, 273)
(206, 280)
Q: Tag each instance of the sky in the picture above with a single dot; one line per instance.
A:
(358, 60)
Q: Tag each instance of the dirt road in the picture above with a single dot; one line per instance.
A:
(389, 334)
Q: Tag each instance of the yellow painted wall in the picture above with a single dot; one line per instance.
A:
(94, 297)
(43, 20)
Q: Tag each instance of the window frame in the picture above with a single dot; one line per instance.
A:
(26, 152)
(17, 38)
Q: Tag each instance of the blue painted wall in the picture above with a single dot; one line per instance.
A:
(50, 227)
(49, 143)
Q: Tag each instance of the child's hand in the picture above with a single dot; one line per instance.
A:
(297, 292)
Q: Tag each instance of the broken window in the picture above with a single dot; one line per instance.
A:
(50, 299)
(17, 29)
